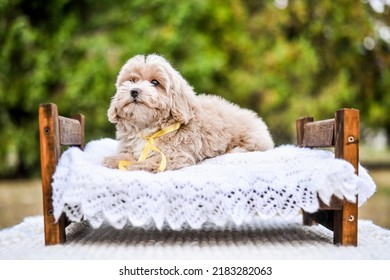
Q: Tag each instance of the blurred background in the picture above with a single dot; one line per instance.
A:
(282, 58)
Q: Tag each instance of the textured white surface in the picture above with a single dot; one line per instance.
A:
(261, 239)
(231, 188)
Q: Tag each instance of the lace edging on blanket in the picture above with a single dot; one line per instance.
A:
(232, 187)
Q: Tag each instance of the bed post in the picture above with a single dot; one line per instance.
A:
(300, 127)
(50, 153)
(347, 147)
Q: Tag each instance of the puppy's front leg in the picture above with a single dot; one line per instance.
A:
(113, 161)
(175, 161)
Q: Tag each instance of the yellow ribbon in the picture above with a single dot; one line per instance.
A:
(149, 146)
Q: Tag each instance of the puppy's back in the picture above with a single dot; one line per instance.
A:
(246, 129)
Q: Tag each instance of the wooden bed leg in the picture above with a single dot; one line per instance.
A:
(347, 147)
(50, 152)
(300, 128)
(346, 224)
(307, 220)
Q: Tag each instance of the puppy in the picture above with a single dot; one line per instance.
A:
(152, 96)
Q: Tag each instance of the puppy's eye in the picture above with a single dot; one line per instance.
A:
(131, 80)
(154, 82)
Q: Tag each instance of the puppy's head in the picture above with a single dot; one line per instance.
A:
(150, 91)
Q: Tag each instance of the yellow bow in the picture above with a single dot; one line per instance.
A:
(149, 146)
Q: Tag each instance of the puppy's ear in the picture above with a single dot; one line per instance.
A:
(183, 100)
(112, 112)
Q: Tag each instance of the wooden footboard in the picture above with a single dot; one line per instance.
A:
(341, 133)
(55, 131)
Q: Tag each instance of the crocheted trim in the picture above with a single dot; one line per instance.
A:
(233, 187)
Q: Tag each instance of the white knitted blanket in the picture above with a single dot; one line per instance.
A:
(230, 188)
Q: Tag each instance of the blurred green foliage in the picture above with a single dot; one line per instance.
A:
(309, 57)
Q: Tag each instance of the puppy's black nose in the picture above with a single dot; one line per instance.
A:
(135, 92)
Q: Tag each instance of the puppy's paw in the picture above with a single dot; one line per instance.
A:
(147, 165)
(111, 162)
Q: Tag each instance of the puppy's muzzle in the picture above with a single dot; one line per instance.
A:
(135, 92)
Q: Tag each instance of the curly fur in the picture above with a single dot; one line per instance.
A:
(151, 95)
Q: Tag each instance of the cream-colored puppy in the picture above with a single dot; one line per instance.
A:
(152, 96)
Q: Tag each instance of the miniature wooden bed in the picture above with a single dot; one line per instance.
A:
(340, 132)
